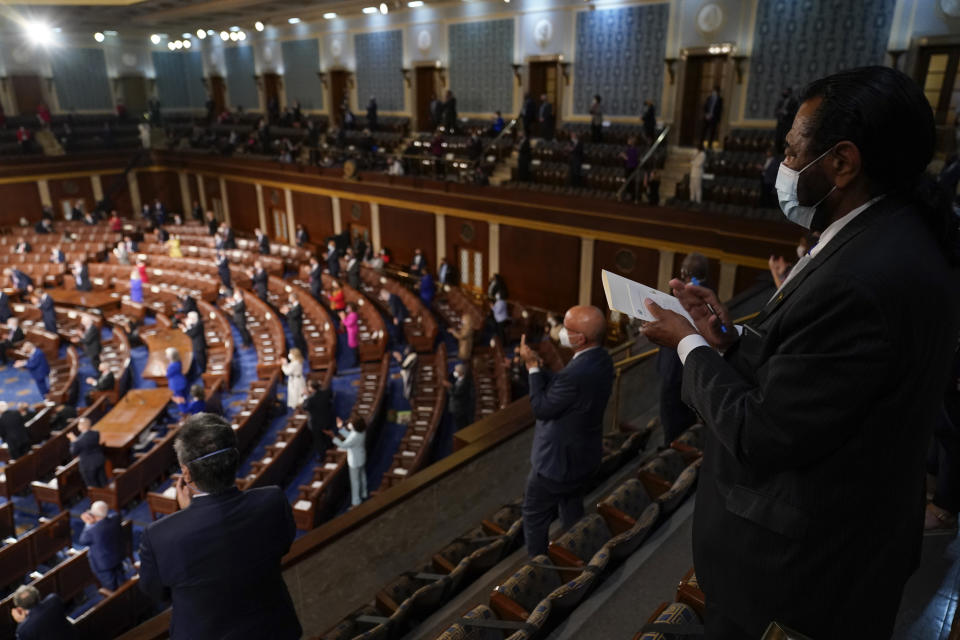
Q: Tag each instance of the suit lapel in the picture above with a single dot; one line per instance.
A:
(851, 230)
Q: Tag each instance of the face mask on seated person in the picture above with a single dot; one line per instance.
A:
(787, 181)
(565, 339)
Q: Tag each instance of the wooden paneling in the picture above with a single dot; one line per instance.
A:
(540, 268)
(194, 194)
(713, 270)
(275, 201)
(20, 199)
(403, 230)
(636, 263)
(472, 235)
(71, 189)
(164, 185)
(315, 213)
(116, 187)
(747, 277)
(211, 188)
(242, 199)
(354, 212)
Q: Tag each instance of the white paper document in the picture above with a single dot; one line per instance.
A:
(626, 296)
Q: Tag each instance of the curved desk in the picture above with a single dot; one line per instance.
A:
(157, 342)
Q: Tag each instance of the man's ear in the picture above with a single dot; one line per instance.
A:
(845, 163)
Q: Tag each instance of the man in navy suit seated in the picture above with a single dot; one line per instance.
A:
(36, 363)
(101, 533)
(19, 280)
(218, 558)
(567, 440)
(40, 619)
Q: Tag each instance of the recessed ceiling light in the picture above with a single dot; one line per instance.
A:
(171, 46)
(293, 20)
(224, 35)
(330, 16)
(211, 32)
(241, 36)
(99, 37)
(155, 39)
(108, 32)
(234, 36)
(201, 34)
(186, 36)
(258, 25)
(384, 8)
(369, 10)
(415, 4)
(187, 44)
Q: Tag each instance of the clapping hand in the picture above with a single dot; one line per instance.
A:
(530, 357)
(87, 517)
(71, 436)
(710, 317)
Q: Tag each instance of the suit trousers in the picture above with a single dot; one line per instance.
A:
(543, 498)
(110, 578)
(42, 386)
(96, 478)
(945, 450)
(358, 485)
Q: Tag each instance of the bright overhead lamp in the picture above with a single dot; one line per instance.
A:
(234, 36)
(241, 36)
(384, 8)
(178, 44)
(415, 4)
(224, 36)
(211, 32)
(201, 34)
(369, 10)
(155, 39)
(330, 16)
(186, 36)
(99, 37)
(107, 32)
(258, 25)
(293, 20)
(234, 28)
(187, 44)
(171, 46)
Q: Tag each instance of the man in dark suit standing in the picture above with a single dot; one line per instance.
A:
(81, 276)
(47, 311)
(447, 274)
(239, 308)
(294, 313)
(820, 412)
(548, 121)
(36, 363)
(575, 160)
(712, 110)
(450, 112)
(398, 312)
(319, 406)
(40, 619)
(5, 313)
(567, 439)
(57, 256)
(91, 340)
(263, 242)
(302, 237)
(316, 279)
(353, 270)
(12, 339)
(102, 534)
(197, 211)
(462, 402)
(259, 279)
(193, 327)
(86, 446)
(418, 266)
(187, 304)
(332, 256)
(13, 430)
(372, 114)
(229, 239)
(191, 556)
(212, 225)
(528, 115)
(223, 270)
(106, 381)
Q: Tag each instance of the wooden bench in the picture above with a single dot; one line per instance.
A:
(133, 482)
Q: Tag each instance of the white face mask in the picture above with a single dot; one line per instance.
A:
(565, 338)
(786, 185)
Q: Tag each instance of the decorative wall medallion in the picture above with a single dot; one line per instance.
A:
(709, 18)
(424, 40)
(543, 33)
(336, 47)
(466, 232)
(355, 211)
(625, 260)
(129, 59)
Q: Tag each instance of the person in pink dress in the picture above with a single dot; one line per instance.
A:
(351, 324)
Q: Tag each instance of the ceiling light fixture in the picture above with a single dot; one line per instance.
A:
(107, 32)
(224, 36)
(201, 34)
(99, 37)
(234, 36)
(330, 16)
(171, 46)
(369, 10)
(415, 4)
(241, 36)
(186, 36)
(155, 39)
(234, 28)
(293, 20)
(187, 44)
(384, 8)
(258, 25)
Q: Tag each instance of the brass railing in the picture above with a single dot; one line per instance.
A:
(635, 176)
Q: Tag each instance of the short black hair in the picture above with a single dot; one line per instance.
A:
(887, 116)
(203, 434)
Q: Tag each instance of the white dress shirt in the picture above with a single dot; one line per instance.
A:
(696, 340)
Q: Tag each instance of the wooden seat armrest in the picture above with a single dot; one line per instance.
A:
(507, 609)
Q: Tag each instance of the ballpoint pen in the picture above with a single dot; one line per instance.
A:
(723, 328)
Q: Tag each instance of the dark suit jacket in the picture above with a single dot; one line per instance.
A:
(219, 560)
(91, 342)
(260, 283)
(295, 319)
(83, 279)
(397, 309)
(240, 314)
(13, 430)
(87, 447)
(462, 401)
(212, 227)
(569, 406)
(15, 336)
(316, 281)
(4, 307)
(819, 420)
(21, 280)
(187, 305)
(58, 257)
(263, 245)
(47, 621)
(229, 240)
(104, 539)
(353, 275)
(717, 109)
(319, 406)
(223, 270)
(333, 264)
(49, 314)
(302, 237)
(105, 382)
(38, 366)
